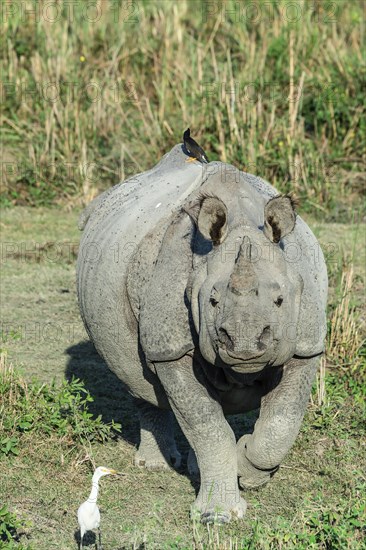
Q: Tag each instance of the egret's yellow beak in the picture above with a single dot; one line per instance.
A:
(114, 472)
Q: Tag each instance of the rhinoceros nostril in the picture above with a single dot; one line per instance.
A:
(279, 301)
(264, 338)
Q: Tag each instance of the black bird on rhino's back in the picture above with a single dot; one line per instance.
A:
(193, 149)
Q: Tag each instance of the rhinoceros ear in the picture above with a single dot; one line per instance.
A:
(279, 217)
(209, 214)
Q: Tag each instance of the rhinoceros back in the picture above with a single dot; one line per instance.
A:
(114, 225)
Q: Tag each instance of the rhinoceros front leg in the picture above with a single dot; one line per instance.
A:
(210, 436)
(157, 449)
(281, 414)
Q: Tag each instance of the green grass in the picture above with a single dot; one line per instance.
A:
(61, 411)
(314, 501)
(94, 97)
(86, 103)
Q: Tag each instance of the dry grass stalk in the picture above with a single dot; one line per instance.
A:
(291, 103)
(320, 383)
(15, 384)
(345, 339)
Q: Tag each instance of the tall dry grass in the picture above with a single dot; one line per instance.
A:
(345, 338)
(93, 97)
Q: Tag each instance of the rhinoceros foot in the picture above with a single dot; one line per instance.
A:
(216, 511)
(250, 477)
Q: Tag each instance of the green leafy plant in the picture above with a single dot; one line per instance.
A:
(339, 527)
(50, 409)
(9, 528)
(9, 445)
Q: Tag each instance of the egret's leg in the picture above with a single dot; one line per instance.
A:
(99, 541)
(191, 159)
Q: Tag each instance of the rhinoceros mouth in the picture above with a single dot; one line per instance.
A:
(244, 368)
(232, 359)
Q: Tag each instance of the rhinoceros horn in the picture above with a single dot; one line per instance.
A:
(243, 276)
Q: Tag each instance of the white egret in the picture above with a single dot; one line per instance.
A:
(88, 513)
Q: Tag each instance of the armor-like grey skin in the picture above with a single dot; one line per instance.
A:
(205, 294)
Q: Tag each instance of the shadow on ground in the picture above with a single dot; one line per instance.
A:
(110, 398)
(89, 538)
(113, 402)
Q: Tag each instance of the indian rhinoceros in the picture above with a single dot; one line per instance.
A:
(205, 294)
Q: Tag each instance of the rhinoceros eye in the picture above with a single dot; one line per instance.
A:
(279, 301)
(215, 297)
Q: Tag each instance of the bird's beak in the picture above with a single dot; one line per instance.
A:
(114, 472)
